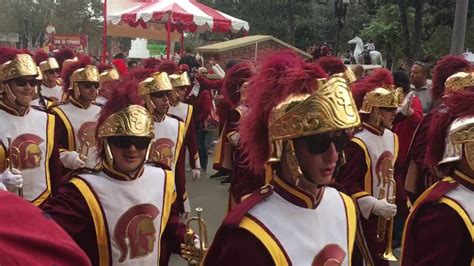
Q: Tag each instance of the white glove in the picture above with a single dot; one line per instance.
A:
(72, 159)
(196, 242)
(384, 209)
(12, 178)
(196, 173)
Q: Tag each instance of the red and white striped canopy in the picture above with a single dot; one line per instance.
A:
(130, 18)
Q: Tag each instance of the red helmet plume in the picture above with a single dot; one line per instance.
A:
(281, 74)
(40, 56)
(234, 78)
(444, 68)
(378, 78)
(183, 67)
(8, 54)
(139, 74)
(331, 65)
(120, 66)
(151, 63)
(457, 105)
(169, 67)
(63, 55)
(66, 73)
(103, 67)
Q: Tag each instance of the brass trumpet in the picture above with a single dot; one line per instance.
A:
(385, 227)
(189, 252)
(10, 163)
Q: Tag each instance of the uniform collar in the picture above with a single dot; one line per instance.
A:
(463, 178)
(372, 129)
(49, 84)
(77, 103)
(294, 194)
(12, 110)
(158, 119)
(115, 174)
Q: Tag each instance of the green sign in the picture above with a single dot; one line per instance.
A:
(156, 49)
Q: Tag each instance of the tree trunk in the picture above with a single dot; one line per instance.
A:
(417, 28)
(291, 21)
(402, 6)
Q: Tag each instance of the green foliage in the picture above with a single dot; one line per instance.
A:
(30, 18)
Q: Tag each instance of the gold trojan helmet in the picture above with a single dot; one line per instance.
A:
(109, 75)
(49, 64)
(133, 120)
(382, 97)
(156, 83)
(178, 80)
(88, 73)
(330, 108)
(458, 82)
(21, 65)
(461, 133)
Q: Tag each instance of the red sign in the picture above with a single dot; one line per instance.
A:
(72, 41)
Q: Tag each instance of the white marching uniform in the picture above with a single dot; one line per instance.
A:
(32, 140)
(80, 125)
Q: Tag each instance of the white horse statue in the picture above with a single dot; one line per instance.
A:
(375, 56)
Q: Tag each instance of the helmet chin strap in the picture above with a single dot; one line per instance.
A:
(12, 98)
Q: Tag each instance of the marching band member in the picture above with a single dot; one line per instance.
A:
(184, 112)
(77, 118)
(229, 138)
(439, 230)
(51, 90)
(371, 156)
(169, 136)
(121, 213)
(296, 128)
(28, 156)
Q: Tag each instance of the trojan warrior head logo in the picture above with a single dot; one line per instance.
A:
(86, 134)
(162, 151)
(136, 225)
(25, 152)
(384, 166)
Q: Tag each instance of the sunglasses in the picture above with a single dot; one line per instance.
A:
(159, 94)
(319, 143)
(52, 71)
(21, 82)
(388, 109)
(125, 142)
(89, 85)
